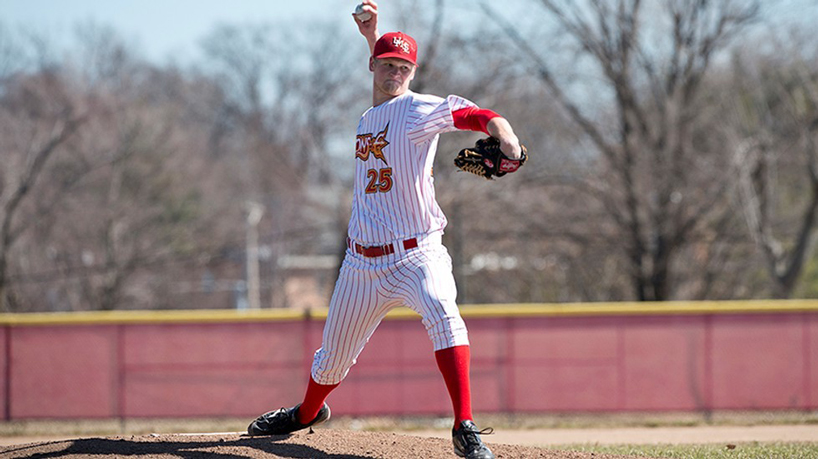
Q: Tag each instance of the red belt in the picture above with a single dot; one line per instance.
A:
(380, 250)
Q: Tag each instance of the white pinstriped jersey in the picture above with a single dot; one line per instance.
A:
(394, 195)
(394, 200)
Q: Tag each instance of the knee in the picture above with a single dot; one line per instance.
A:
(448, 331)
(328, 369)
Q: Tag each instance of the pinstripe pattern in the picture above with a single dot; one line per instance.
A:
(368, 288)
(409, 208)
(399, 136)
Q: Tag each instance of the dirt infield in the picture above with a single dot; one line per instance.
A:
(369, 438)
(323, 444)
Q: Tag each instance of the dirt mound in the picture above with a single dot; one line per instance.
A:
(323, 444)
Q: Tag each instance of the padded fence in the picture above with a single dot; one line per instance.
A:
(525, 358)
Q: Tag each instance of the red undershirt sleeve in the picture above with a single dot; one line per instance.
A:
(473, 118)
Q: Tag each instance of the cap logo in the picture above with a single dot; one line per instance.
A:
(404, 45)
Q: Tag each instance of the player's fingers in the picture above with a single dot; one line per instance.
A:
(369, 6)
(373, 11)
(511, 148)
(365, 26)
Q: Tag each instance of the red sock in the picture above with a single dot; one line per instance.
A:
(454, 364)
(313, 400)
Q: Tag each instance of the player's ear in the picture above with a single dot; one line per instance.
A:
(371, 64)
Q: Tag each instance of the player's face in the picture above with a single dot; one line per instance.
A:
(392, 75)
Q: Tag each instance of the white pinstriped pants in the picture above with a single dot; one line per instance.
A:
(368, 288)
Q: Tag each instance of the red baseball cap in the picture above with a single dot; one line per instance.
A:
(396, 44)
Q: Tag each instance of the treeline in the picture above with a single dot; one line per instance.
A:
(673, 156)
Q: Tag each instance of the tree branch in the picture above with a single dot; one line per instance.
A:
(547, 77)
(61, 131)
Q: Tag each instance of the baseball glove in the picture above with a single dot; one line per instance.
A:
(487, 160)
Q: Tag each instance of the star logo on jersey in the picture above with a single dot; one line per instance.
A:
(367, 144)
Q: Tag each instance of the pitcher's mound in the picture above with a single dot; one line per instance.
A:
(323, 444)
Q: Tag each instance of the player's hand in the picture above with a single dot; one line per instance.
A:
(368, 28)
(500, 129)
(510, 146)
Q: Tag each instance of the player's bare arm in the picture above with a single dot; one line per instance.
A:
(368, 27)
(500, 129)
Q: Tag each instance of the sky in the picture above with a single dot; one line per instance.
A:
(164, 28)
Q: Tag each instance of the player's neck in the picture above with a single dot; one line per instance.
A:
(379, 97)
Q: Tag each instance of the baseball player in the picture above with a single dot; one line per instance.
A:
(394, 255)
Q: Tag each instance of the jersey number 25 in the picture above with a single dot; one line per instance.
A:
(379, 180)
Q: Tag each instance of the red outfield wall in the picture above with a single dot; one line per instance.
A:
(526, 358)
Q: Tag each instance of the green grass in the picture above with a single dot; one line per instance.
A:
(709, 451)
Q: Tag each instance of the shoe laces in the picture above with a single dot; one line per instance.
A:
(279, 413)
(470, 435)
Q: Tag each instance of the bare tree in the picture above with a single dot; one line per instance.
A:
(109, 210)
(774, 131)
(38, 118)
(281, 130)
(656, 179)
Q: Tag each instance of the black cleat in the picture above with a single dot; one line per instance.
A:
(284, 421)
(467, 442)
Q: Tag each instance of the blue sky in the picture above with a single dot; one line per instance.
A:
(162, 29)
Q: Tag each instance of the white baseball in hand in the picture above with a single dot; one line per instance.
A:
(362, 15)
